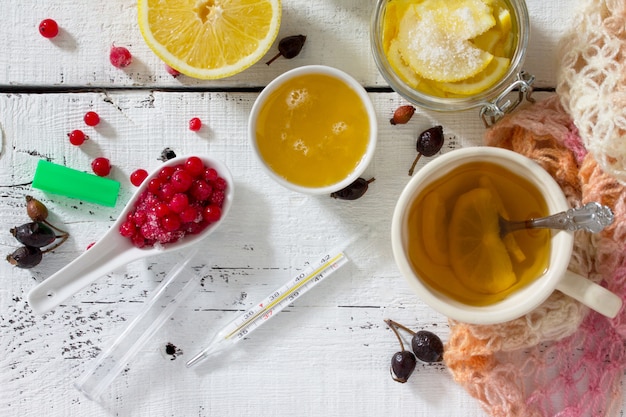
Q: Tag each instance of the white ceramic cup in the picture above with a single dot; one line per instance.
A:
(524, 300)
(350, 82)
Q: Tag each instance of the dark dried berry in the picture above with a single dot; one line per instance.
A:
(35, 209)
(354, 190)
(25, 257)
(402, 365)
(167, 154)
(34, 234)
(427, 346)
(289, 47)
(429, 142)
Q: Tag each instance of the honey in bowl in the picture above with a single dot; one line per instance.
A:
(453, 234)
(313, 130)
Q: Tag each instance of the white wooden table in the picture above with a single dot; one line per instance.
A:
(328, 354)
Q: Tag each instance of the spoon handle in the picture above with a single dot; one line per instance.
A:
(592, 217)
(104, 257)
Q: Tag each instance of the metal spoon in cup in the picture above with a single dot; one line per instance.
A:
(592, 217)
(114, 250)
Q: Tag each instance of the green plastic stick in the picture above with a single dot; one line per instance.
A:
(71, 183)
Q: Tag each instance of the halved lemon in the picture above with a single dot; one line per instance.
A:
(478, 255)
(209, 39)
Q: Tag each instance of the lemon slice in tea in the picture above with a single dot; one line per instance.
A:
(478, 256)
(435, 228)
(209, 39)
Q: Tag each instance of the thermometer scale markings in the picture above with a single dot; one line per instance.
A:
(288, 290)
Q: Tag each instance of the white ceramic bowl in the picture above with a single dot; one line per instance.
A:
(350, 82)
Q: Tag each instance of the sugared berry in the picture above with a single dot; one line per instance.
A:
(91, 118)
(190, 214)
(166, 173)
(77, 137)
(171, 222)
(210, 174)
(179, 202)
(154, 185)
(219, 184)
(127, 229)
(217, 198)
(212, 213)
(194, 166)
(195, 124)
(181, 180)
(161, 210)
(201, 190)
(171, 71)
(48, 28)
(120, 57)
(101, 166)
(137, 176)
(167, 192)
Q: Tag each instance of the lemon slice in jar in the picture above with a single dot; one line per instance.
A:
(478, 256)
(209, 39)
(480, 82)
(434, 38)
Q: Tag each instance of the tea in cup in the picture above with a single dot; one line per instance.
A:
(447, 243)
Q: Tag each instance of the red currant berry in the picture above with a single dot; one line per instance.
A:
(167, 192)
(155, 185)
(138, 240)
(171, 223)
(166, 173)
(91, 118)
(171, 71)
(140, 218)
(120, 57)
(48, 28)
(194, 166)
(210, 174)
(181, 180)
(217, 198)
(101, 166)
(161, 210)
(137, 177)
(77, 137)
(195, 124)
(211, 213)
(200, 190)
(190, 214)
(179, 203)
(220, 184)
(128, 229)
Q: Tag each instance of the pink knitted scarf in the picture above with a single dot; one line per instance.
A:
(561, 359)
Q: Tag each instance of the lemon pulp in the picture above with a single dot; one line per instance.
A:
(313, 130)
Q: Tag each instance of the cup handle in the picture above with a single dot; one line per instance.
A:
(590, 294)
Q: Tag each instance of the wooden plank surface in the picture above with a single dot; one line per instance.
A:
(337, 34)
(328, 353)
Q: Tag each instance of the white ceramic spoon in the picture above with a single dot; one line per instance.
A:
(114, 250)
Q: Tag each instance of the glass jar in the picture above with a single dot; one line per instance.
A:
(494, 101)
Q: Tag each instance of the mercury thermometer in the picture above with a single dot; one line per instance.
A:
(261, 312)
